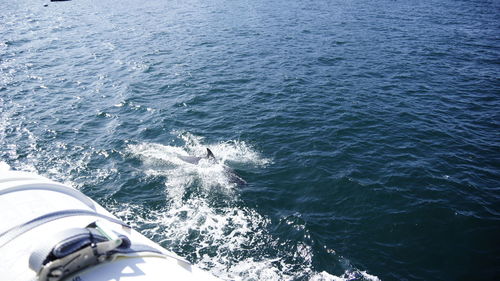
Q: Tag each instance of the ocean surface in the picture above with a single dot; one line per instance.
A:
(368, 132)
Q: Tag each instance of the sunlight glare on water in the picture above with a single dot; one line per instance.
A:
(352, 140)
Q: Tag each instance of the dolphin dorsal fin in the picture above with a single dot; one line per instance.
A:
(210, 154)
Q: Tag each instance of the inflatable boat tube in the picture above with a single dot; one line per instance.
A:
(50, 232)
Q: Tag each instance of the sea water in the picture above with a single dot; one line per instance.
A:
(367, 131)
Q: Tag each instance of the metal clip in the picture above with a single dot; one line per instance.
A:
(60, 268)
(114, 241)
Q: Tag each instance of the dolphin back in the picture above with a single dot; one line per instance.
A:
(190, 159)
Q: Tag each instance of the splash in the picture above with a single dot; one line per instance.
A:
(231, 242)
(216, 232)
(182, 176)
(235, 151)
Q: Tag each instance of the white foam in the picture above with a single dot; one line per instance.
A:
(234, 151)
(166, 160)
(218, 234)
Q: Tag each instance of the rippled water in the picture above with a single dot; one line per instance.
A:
(367, 132)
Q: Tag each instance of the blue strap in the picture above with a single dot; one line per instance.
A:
(15, 231)
(74, 238)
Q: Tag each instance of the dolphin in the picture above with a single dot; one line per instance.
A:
(195, 160)
(230, 173)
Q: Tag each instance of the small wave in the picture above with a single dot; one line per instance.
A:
(218, 234)
(235, 151)
(166, 160)
(231, 242)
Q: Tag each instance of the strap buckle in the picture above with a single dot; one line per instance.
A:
(101, 241)
(60, 268)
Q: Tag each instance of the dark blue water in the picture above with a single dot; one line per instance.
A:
(368, 132)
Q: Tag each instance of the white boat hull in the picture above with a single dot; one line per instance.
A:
(28, 203)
